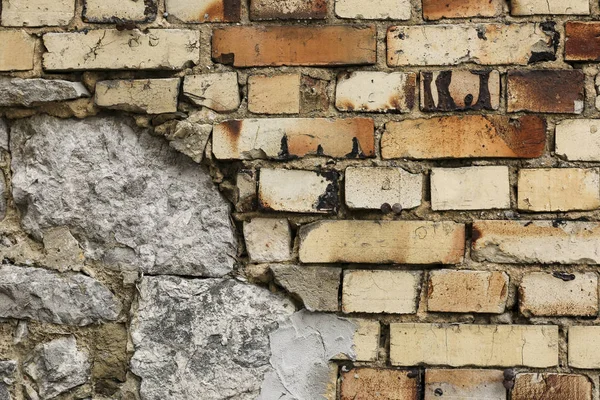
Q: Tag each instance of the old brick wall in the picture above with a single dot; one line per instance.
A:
(299, 199)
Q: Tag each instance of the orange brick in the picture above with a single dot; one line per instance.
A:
(369, 383)
(438, 9)
(582, 41)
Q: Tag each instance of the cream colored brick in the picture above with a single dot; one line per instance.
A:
(578, 139)
(268, 240)
(369, 188)
(482, 345)
(464, 384)
(37, 12)
(113, 49)
(390, 292)
(559, 294)
(484, 44)
(152, 96)
(538, 7)
(375, 9)
(538, 242)
(298, 191)
(470, 188)
(382, 242)
(111, 10)
(219, 92)
(559, 189)
(16, 51)
(366, 340)
(277, 94)
(467, 291)
(584, 347)
(375, 91)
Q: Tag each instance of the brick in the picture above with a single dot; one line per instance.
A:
(546, 91)
(468, 136)
(298, 191)
(536, 242)
(578, 139)
(582, 42)
(482, 345)
(115, 11)
(151, 96)
(583, 347)
(467, 291)
(376, 292)
(371, 187)
(288, 9)
(484, 44)
(375, 91)
(466, 384)
(460, 90)
(317, 287)
(219, 92)
(438, 9)
(370, 383)
(313, 94)
(246, 185)
(199, 11)
(16, 51)
(377, 9)
(540, 7)
(550, 386)
(553, 189)
(277, 94)
(37, 12)
(559, 294)
(290, 138)
(169, 49)
(248, 46)
(470, 188)
(366, 339)
(382, 242)
(268, 240)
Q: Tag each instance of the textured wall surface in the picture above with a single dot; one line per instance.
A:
(299, 199)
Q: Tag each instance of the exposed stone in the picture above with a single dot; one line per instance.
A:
(475, 384)
(537, 7)
(37, 12)
(438, 9)
(578, 139)
(133, 201)
(8, 372)
(372, 91)
(245, 184)
(460, 90)
(584, 347)
(287, 9)
(151, 96)
(197, 11)
(317, 287)
(26, 92)
(277, 94)
(111, 11)
(369, 383)
(3, 196)
(187, 137)
(3, 135)
(41, 295)
(62, 250)
(169, 49)
(268, 240)
(16, 51)
(215, 347)
(218, 92)
(552, 387)
(377, 9)
(110, 357)
(370, 187)
(57, 366)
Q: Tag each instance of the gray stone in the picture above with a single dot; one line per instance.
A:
(317, 287)
(126, 196)
(41, 295)
(8, 369)
(57, 366)
(3, 135)
(26, 92)
(187, 137)
(62, 250)
(203, 339)
(2, 196)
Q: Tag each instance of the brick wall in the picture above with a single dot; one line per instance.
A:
(420, 175)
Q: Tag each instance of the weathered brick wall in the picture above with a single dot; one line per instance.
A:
(299, 199)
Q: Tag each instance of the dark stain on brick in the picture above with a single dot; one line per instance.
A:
(330, 200)
(446, 100)
(538, 56)
(356, 151)
(313, 94)
(226, 58)
(582, 41)
(150, 11)
(232, 10)
(525, 136)
(233, 128)
(475, 234)
(563, 276)
(267, 10)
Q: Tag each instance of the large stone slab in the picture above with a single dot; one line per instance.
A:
(25, 92)
(203, 339)
(127, 197)
(38, 294)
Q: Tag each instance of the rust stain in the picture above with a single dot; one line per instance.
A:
(525, 136)
(582, 41)
(221, 11)
(437, 9)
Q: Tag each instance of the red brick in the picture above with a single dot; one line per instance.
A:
(437, 9)
(582, 41)
(247, 46)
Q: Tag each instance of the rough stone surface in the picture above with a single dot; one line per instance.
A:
(460, 90)
(497, 345)
(268, 240)
(377, 9)
(151, 96)
(57, 366)
(41, 295)
(245, 184)
(218, 92)
(578, 139)
(552, 386)
(215, 347)
(63, 252)
(438, 9)
(559, 294)
(370, 188)
(465, 384)
(390, 292)
(197, 11)
(318, 287)
(132, 200)
(110, 11)
(8, 375)
(37, 12)
(537, 7)
(545, 242)
(467, 291)
(288, 9)
(584, 347)
(25, 92)
(187, 137)
(277, 94)
(169, 49)
(369, 383)
(17, 50)
(3, 135)
(381, 242)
